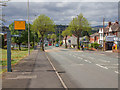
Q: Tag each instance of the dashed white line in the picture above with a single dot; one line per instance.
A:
(104, 61)
(74, 56)
(87, 61)
(80, 58)
(116, 72)
(101, 66)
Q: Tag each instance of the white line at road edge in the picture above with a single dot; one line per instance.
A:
(62, 82)
(101, 66)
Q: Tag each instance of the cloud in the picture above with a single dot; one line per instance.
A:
(65, 0)
(63, 12)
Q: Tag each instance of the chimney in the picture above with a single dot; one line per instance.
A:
(109, 23)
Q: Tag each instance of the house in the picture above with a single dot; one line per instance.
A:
(110, 35)
(94, 38)
(72, 40)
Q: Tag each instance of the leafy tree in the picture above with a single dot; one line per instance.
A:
(53, 37)
(43, 24)
(23, 39)
(65, 34)
(78, 25)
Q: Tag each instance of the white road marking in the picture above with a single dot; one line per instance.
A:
(80, 58)
(104, 61)
(87, 61)
(91, 57)
(101, 66)
(116, 72)
(60, 78)
(74, 56)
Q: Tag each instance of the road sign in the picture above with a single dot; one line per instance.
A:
(19, 25)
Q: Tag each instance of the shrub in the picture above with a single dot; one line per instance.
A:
(96, 45)
(5, 47)
(61, 43)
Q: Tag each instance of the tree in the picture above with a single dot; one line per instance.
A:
(23, 35)
(65, 34)
(43, 24)
(78, 25)
(53, 37)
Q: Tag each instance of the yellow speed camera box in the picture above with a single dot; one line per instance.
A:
(19, 25)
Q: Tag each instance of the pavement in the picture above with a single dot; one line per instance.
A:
(86, 69)
(34, 71)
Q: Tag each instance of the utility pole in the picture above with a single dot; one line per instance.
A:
(59, 35)
(103, 34)
(28, 31)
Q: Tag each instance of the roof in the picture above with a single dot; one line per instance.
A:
(114, 27)
(67, 37)
(95, 34)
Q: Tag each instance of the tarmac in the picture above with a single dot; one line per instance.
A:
(32, 72)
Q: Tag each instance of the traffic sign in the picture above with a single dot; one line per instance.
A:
(19, 25)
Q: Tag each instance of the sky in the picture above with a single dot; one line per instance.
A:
(62, 12)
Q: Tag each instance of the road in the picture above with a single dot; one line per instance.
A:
(85, 69)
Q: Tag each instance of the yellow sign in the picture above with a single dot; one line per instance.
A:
(19, 25)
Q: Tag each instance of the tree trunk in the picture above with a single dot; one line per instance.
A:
(42, 46)
(19, 46)
(65, 42)
(78, 44)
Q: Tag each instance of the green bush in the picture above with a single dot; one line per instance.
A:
(96, 45)
(5, 47)
(61, 43)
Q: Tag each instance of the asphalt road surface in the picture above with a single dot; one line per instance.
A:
(85, 69)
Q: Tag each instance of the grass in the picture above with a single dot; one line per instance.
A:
(16, 55)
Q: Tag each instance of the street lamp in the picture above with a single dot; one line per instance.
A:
(34, 36)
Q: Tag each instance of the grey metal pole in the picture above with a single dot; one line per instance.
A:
(103, 35)
(28, 31)
(9, 51)
(59, 35)
(34, 40)
(34, 37)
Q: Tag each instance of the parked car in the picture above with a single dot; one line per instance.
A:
(56, 45)
(50, 44)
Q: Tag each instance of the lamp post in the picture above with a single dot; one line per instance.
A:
(28, 31)
(34, 36)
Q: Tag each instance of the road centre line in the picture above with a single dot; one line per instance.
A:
(101, 66)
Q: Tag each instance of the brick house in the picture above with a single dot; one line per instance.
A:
(94, 38)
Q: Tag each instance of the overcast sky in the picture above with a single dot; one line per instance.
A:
(63, 12)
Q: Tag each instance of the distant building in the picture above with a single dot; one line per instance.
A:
(72, 40)
(111, 35)
(94, 38)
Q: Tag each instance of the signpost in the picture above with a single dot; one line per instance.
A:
(9, 51)
(18, 25)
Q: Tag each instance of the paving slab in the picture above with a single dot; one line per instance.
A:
(34, 71)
